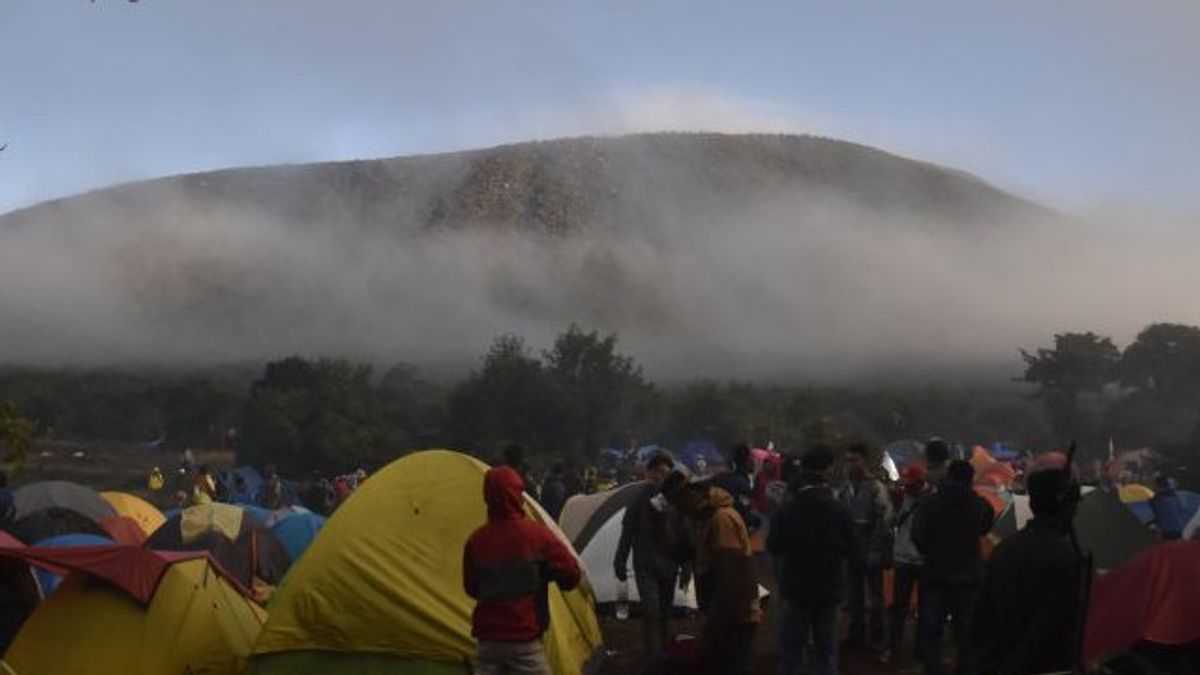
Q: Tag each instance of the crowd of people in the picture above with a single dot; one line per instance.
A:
(197, 484)
(831, 536)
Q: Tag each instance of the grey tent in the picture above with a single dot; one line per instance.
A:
(64, 495)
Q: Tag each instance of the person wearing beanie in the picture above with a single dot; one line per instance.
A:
(947, 529)
(1029, 608)
(813, 538)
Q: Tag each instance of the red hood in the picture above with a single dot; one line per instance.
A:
(503, 490)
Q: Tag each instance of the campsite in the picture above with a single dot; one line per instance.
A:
(574, 337)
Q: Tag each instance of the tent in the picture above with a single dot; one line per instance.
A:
(905, 452)
(124, 530)
(165, 615)
(297, 531)
(145, 514)
(240, 545)
(701, 456)
(593, 524)
(53, 522)
(47, 579)
(1136, 493)
(1153, 598)
(1104, 526)
(381, 589)
(61, 494)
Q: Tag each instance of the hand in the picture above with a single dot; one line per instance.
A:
(621, 573)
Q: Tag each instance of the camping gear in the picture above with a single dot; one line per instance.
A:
(701, 456)
(164, 613)
(64, 495)
(53, 522)
(49, 580)
(593, 524)
(381, 589)
(296, 532)
(1136, 493)
(124, 530)
(1105, 527)
(1153, 598)
(141, 511)
(239, 545)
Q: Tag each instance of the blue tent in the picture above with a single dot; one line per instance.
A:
(1143, 510)
(48, 580)
(252, 480)
(695, 451)
(297, 531)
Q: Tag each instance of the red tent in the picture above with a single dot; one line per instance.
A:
(1153, 597)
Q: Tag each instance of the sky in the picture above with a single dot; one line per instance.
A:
(1086, 105)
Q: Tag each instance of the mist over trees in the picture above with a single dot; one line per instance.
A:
(581, 393)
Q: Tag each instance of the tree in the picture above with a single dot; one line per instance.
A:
(16, 435)
(304, 415)
(1078, 363)
(1164, 361)
(510, 399)
(602, 391)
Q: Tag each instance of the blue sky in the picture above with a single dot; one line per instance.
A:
(1086, 105)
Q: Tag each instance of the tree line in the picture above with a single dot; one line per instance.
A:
(581, 393)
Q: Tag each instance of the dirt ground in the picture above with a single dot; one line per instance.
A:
(623, 641)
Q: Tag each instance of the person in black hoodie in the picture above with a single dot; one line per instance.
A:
(947, 528)
(814, 538)
(1029, 608)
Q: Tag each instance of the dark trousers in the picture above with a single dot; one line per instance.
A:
(906, 577)
(731, 652)
(803, 625)
(657, 595)
(866, 602)
(939, 603)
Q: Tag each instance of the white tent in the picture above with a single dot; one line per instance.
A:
(593, 524)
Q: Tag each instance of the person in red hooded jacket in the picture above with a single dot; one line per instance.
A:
(507, 565)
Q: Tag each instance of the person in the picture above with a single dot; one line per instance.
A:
(554, 491)
(507, 564)
(204, 488)
(1170, 516)
(937, 458)
(947, 528)
(156, 480)
(651, 531)
(906, 559)
(240, 494)
(812, 536)
(872, 510)
(8, 504)
(738, 481)
(726, 588)
(318, 494)
(1029, 607)
(270, 495)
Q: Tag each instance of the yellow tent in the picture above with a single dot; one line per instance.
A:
(141, 511)
(196, 622)
(1135, 493)
(380, 590)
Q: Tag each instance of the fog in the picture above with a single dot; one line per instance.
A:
(794, 287)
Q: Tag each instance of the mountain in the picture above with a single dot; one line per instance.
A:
(560, 186)
(680, 242)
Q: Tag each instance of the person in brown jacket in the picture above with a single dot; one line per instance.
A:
(726, 587)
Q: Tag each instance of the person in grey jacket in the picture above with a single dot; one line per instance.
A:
(653, 532)
(905, 556)
(872, 510)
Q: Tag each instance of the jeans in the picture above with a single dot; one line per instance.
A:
(817, 621)
(905, 581)
(937, 604)
(657, 595)
(511, 658)
(866, 597)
